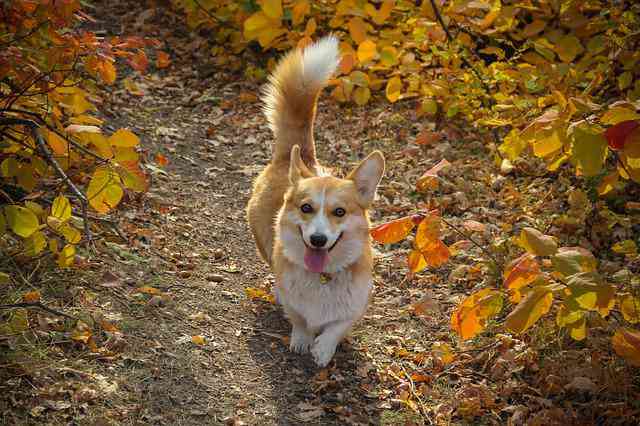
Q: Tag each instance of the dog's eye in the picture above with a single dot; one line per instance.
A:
(306, 208)
(339, 212)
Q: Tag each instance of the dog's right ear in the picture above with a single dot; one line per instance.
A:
(297, 169)
(295, 174)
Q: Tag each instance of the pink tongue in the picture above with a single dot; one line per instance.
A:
(315, 260)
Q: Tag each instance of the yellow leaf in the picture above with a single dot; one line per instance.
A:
(71, 234)
(626, 343)
(9, 167)
(105, 190)
(272, 8)
(545, 146)
(389, 56)
(259, 294)
(394, 87)
(513, 145)
(361, 95)
(61, 208)
(367, 50)
(22, 221)
(4, 278)
(198, 340)
(530, 309)
(35, 243)
(630, 307)
(66, 256)
(124, 138)
(625, 247)
(535, 242)
(619, 114)
(255, 24)
(589, 150)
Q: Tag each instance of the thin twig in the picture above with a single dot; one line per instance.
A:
(485, 86)
(37, 305)
(477, 244)
(35, 130)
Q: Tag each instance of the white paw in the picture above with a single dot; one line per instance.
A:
(323, 350)
(300, 341)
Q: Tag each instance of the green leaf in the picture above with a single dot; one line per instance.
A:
(35, 244)
(22, 221)
(573, 260)
(568, 47)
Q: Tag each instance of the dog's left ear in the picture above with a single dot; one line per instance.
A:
(367, 177)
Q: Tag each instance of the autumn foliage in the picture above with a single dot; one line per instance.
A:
(556, 81)
(56, 162)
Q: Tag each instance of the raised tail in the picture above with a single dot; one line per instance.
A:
(291, 95)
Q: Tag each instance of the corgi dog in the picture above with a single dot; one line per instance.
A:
(310, 227)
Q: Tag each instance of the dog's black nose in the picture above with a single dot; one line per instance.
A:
(318, 240)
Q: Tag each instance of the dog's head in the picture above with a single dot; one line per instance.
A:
(324, 224)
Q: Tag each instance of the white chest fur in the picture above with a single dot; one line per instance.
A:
(343, 298)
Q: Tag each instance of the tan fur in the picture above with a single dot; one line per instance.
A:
(321, 313)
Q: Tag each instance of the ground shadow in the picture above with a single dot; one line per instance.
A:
(299, 386)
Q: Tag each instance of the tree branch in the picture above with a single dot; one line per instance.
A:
(37, 305)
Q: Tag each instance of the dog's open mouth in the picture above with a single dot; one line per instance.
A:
(317, 259)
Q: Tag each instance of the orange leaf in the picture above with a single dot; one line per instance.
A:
(416, 261)
(31, 297)
(626, 343)
(148, 290)
(198, 340)
(530, 309)
(394, 231)
(521, 271)
(429, 180)
(471, 316)
(427, 137)
(428, 232)
(436, 254)
(139, 61)
(162, 59)
(161, 160)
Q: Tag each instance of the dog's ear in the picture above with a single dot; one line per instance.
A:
(367, 177)
(295, 173)
(297, 169)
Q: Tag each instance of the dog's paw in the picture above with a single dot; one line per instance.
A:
(323, 350)
(300, 341)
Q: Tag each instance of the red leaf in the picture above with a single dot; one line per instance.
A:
(427, 137)
(617, 135)
(139, 61)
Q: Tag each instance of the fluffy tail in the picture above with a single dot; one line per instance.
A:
(291, 95)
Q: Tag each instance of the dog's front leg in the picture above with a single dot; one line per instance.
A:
(301, 338)
(324, 346)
